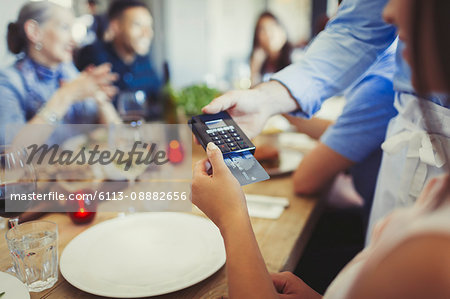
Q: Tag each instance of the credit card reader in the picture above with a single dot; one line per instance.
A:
(221, 129)
(236, 148)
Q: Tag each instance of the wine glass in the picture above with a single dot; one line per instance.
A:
(126, 167)
(132, 107)
(17, 176)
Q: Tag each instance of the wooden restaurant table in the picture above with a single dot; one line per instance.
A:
(281, 241)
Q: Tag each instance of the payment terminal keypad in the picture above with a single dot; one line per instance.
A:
(226, 140)
(221, 129)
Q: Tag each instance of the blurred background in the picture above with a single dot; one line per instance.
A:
(202, 41)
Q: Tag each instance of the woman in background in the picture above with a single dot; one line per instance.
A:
(271, 49)
(409, 252)
(43, 86)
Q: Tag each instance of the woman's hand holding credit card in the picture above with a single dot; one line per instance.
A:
(236, 148)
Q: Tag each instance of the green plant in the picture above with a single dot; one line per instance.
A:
(194, 97)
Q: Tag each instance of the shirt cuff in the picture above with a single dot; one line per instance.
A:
(302, 89)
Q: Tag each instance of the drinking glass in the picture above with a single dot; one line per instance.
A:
(33, 247)
(17, 176)
(132, 106)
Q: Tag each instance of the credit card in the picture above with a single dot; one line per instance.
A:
(245, 168)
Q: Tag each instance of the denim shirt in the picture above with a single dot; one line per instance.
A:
(26, 86)
(342, 53)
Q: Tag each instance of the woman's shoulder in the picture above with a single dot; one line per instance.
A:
(418, 267)
(11, 77)
(11, 70)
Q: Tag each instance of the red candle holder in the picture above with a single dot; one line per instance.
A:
(85, 208)
(175, 152)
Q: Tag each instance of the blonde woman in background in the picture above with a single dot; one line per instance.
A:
(43, 86)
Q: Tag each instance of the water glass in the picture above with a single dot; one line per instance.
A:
(33, 247)
(17, 176)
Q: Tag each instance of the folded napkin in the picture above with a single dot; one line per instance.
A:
(262, 206)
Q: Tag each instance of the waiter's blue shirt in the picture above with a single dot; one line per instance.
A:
(361, 128)
(342, 53)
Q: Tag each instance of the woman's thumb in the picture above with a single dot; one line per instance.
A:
(215, 158)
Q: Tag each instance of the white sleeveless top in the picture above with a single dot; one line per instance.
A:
(428, 215)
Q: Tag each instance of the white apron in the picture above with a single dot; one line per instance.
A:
(410, 159)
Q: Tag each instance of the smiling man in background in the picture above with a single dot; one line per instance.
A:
(131, 33)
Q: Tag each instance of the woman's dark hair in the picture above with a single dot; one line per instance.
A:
(38, 11)
(285, 53)
(440, 12)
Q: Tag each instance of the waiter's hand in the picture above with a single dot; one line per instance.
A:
(252, 108)
(219, 194)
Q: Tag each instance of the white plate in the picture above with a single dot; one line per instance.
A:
(289, 160)
(13, 287)
(144, 254)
